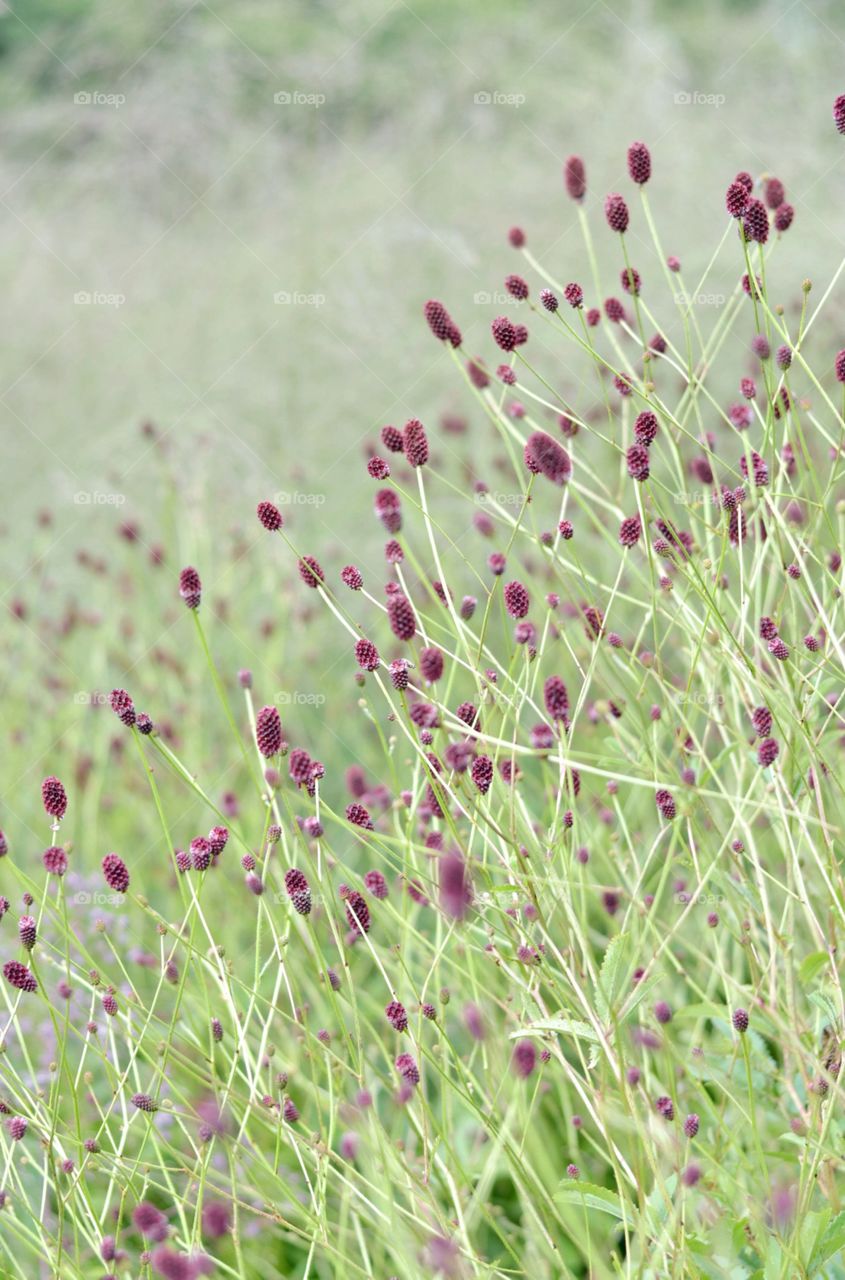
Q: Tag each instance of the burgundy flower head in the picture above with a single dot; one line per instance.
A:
(122, 706)
(575, 178)
(270, 516)
(55, 860)
(504, 333)
(481, 772)
(545, 456)
(310, 572)
(441, 323)
(517, 600)
(517, 287)
(18, 976)
(115, 873)
(665, 803)
(736, 199)
(401, 616)
(639, 163)
(190, 587)
(268, 731)
(755, 222)
(54, 798)
(616, 212)
(407, 1068)
(366, 655)
(416, 443)
(839, 113)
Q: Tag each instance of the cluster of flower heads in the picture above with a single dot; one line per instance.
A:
(463, 771)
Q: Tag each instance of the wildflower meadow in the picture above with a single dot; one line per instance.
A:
(505, 942)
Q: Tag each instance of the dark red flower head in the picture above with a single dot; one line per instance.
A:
(784, 215)
(416, 443)
(441, 323)
(397, 1016)
(575, 178)
(665, 803)
(545, 456)
(298, 890)
(407, 1068)
(481, 772)
(190, 587)
(18, 976)
(516, 237)
(755, 222)
(431, 663)
(391, 438)
(630, 530)
(310, 572)
(639, 163)
(268, 731)
(517, 600)
(115, 873)
(556, 698)
(357, 913)
(616, 212)
(122, 706)
(839, 113)
(54, 797)
(270, 516)
(352, 577)
(638, 462)
(574, 294)
(736, 199)
(359, 816)
(504, 333)
(366, 655)
(839, 365)
(517, 287)
(55, 860)
(739, 1018)
(549, 300)
(400, 614)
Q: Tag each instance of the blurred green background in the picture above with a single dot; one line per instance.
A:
(147, 164)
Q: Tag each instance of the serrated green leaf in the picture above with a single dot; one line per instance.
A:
(571, 1191)
(812, 965)
(566, 1026)
(823, 1001)
(832, 1242)
(610, 975)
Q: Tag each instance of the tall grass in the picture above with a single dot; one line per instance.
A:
(550, 987)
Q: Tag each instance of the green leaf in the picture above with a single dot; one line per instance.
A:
(831, 1242)
(566, 1026)
(812, 965)
(610, 976)
(823, 1001)
(571, 1191)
